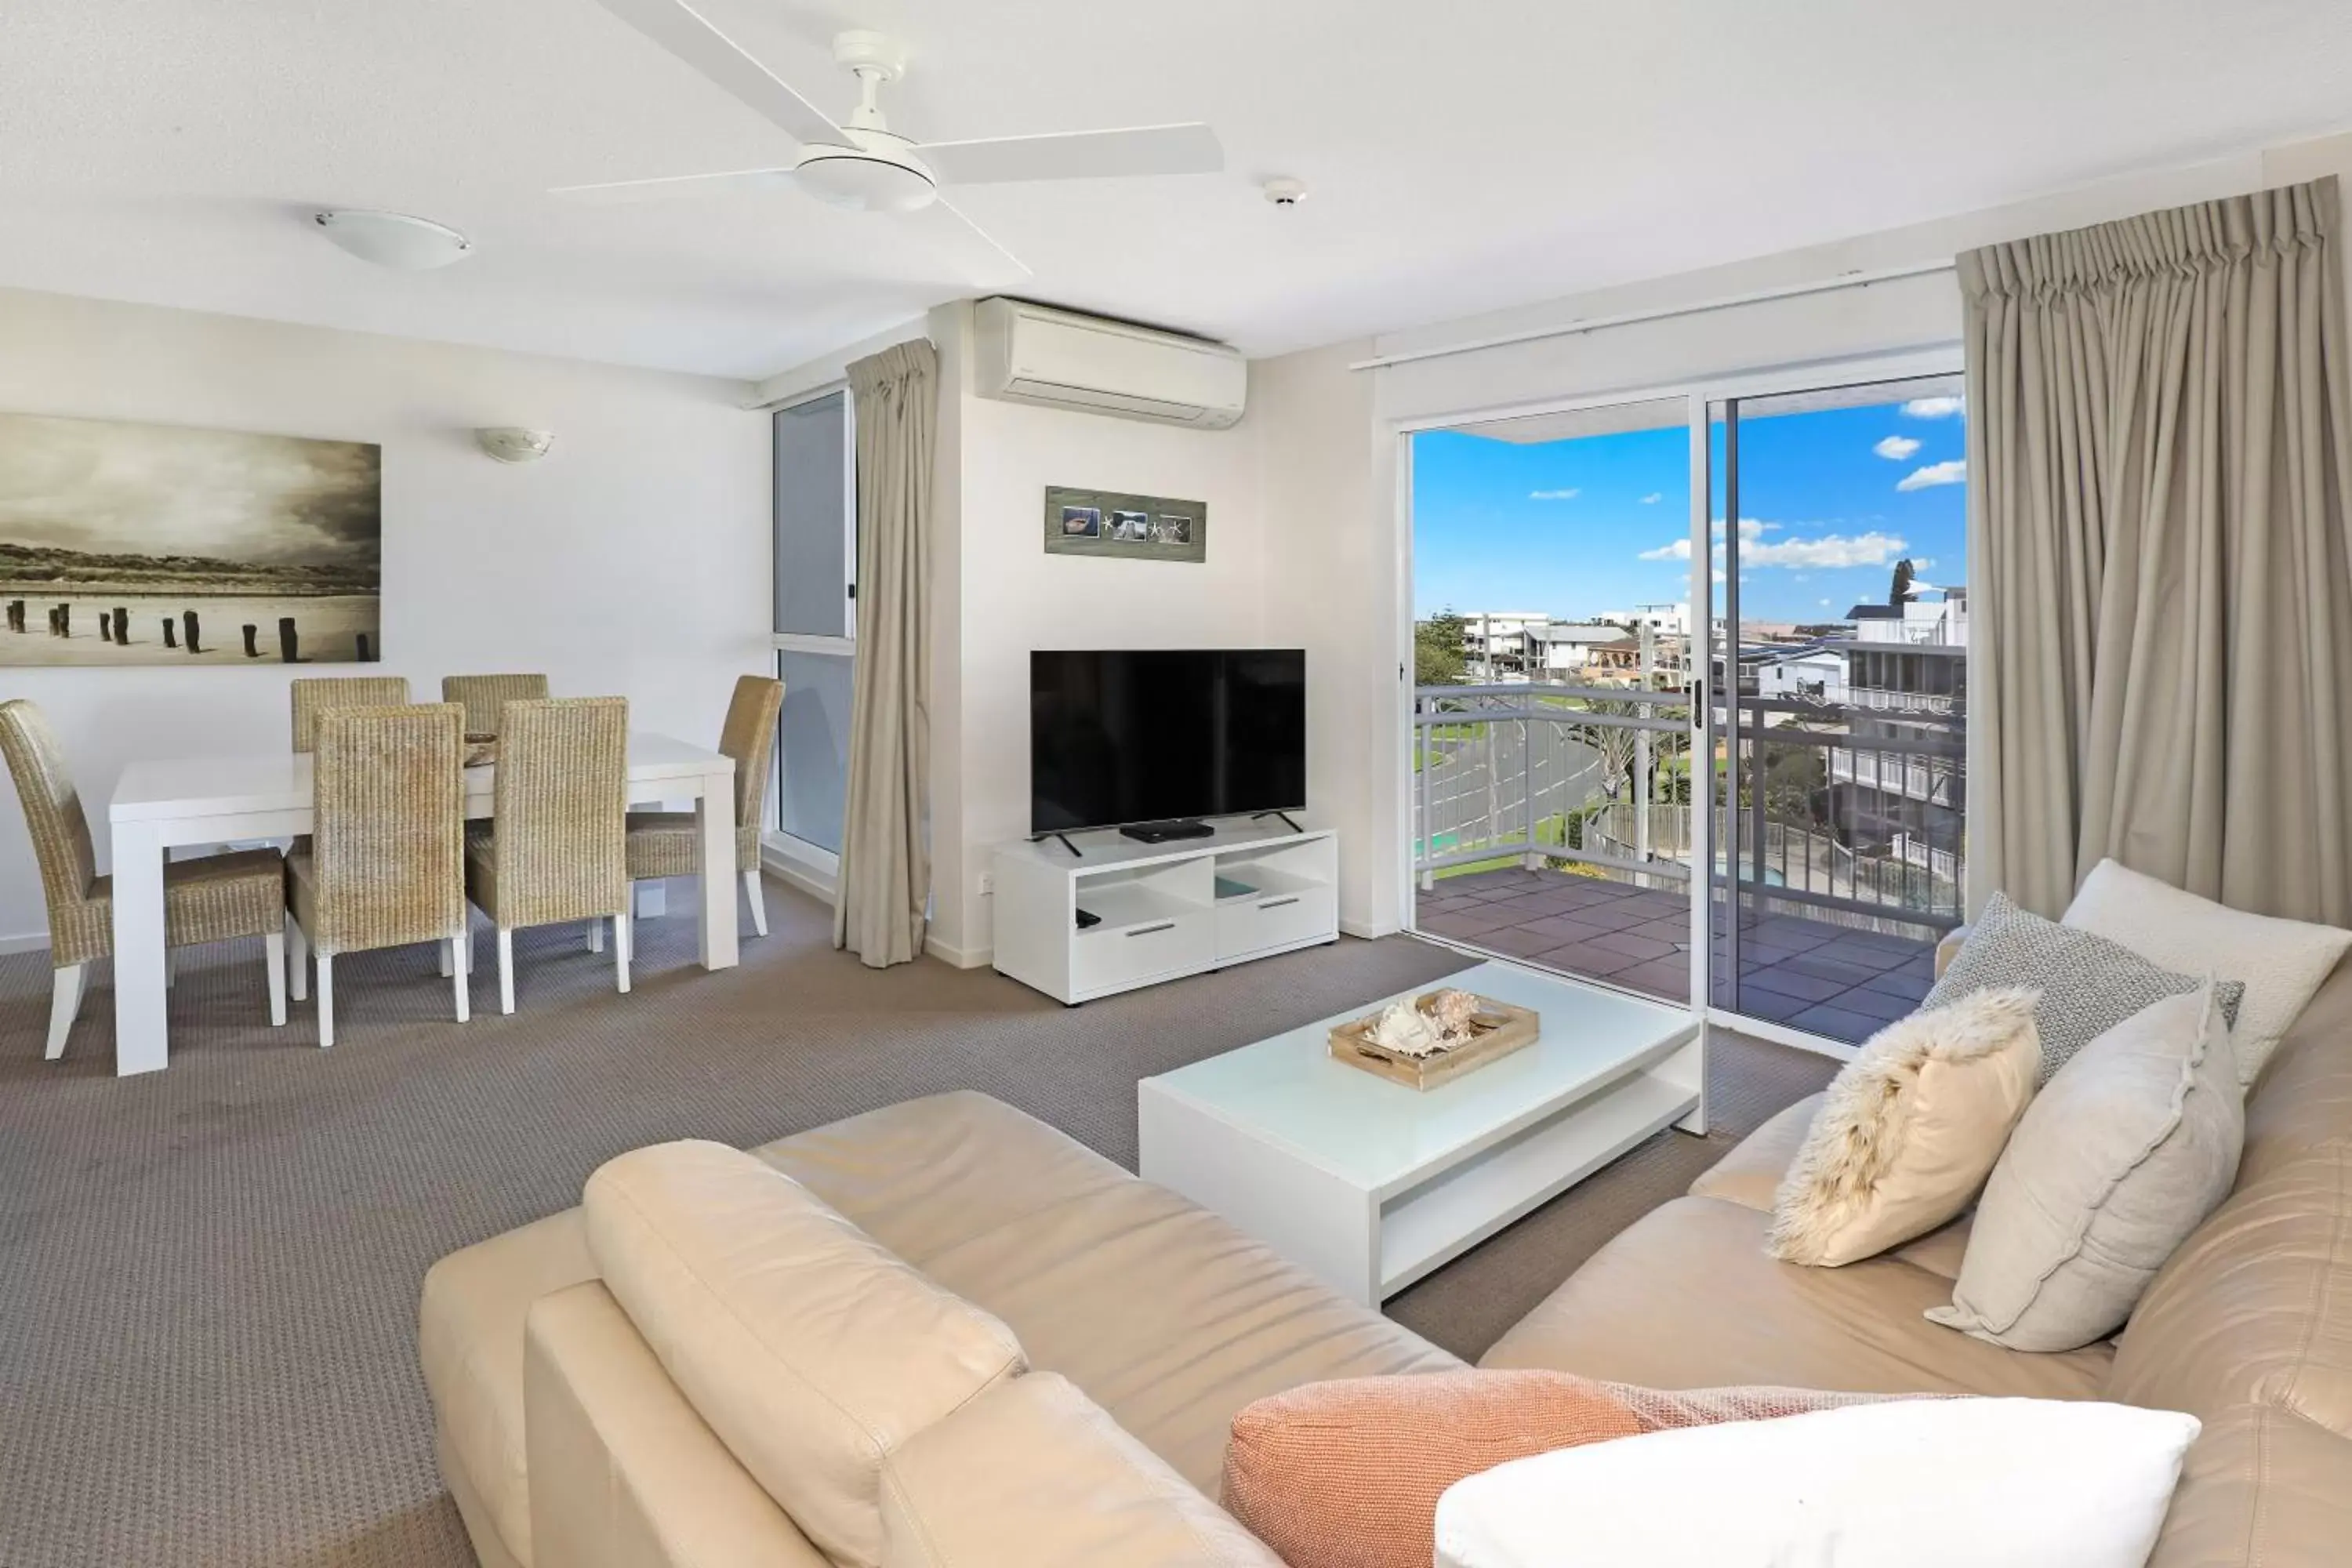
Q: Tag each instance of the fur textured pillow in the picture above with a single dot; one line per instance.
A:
(1346, 1474)
(1909, 1129)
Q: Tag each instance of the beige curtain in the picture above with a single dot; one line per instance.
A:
(2158, 445)
(883, 885)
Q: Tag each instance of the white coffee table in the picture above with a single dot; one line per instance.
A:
(1371, 1184)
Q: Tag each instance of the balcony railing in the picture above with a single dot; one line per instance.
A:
(1532, 775)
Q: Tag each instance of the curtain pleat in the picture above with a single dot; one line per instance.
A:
(882, 891)
(2159, 437)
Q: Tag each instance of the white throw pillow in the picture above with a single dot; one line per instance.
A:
(2122, 1156)
(2281, 962)
(1927, 1483)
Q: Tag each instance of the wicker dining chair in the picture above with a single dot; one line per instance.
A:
(483, 695)
(386, 863)
(217, 898)
(666, 844)
(553, 849)
(316, 694)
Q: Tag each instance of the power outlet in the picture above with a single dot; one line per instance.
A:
(987, 883)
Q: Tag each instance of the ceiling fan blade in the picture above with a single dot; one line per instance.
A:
(682, 30)
(1077, 155)
(988, 273)
(738, 182)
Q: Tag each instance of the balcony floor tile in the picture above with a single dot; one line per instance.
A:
(1828, 979)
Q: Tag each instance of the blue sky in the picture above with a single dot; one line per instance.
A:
(1830, 500)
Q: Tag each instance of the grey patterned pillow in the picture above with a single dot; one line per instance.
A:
(2088, 983)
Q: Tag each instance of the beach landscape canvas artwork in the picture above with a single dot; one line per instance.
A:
(130, 543)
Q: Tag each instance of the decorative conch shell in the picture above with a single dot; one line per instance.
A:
(1452, 1011)
(1403, 1028)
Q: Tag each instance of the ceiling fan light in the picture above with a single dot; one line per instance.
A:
(862, 181)
(393, 239)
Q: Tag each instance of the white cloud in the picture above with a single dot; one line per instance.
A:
(1955, 472)
(1553, 495)
(1932, 408)
(1831, 550)
(1895, 448)
(1922, 563)
(1824, 603)
(1826, 550)
(1654, 498)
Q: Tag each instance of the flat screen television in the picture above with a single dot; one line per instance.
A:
(1119, 738)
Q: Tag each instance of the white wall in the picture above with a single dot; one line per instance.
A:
(1011, 596)
(633, 559)
(1331, 578)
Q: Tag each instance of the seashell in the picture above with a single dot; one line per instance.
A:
(1400, 1027)
(1452, 1011)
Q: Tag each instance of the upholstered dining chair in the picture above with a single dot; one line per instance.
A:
(554, 849)
(665, 843)
(217, 898)
(483, 695)
(316, 694)
(385, 866)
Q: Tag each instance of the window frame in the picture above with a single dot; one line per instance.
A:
(812, 860)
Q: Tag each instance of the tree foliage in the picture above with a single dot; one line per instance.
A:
(1438, 658)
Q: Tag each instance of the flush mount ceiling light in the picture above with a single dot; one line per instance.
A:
(393, 239)
(514, 444)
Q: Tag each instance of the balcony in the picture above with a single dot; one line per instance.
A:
(1534, 841)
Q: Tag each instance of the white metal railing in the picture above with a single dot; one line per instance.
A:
(1905, 776)
(1541, 773)
(1510, 770)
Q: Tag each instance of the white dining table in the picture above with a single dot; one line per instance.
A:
(215, 800)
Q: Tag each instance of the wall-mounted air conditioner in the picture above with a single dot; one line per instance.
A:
(1031, 354)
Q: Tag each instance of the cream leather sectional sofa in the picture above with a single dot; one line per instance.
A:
(1129, 1327)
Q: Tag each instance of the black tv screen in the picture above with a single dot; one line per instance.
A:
(1121, 737)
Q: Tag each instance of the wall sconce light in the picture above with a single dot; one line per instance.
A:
(513, 444)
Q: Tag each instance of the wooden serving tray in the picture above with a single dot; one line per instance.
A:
(1499, 1029)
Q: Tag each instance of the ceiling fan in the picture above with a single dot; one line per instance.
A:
(866, 166)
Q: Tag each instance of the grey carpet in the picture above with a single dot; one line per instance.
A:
(208, 1276)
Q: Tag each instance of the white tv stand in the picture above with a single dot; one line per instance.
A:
(1163, 914)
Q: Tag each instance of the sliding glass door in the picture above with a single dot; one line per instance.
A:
(1758, 807)
(1551, 720)
(1837, 707)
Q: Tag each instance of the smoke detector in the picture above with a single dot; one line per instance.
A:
(1285, 192)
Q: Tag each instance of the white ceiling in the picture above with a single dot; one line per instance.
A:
(1459, 158)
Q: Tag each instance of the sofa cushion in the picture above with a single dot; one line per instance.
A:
(1752, 1173)
(1346, 1474)
(2132, 1144)
(1909, 1129)
(2249, 1328)
(1033, 1474)
(2281, 962)
(1161, 1312)
(2303, 1099)
(1962, 1483)
(469, 1342)
(1685, 1298)
(623, 1470)
(2088, 983)
(809, 1348)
